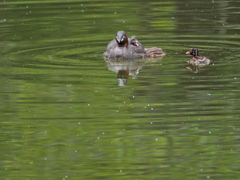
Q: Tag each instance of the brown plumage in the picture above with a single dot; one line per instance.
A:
(123, 47)
(197, 59)
(154, 52)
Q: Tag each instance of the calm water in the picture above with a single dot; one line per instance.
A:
(66, 113)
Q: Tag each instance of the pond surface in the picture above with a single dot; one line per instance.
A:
(66, 113)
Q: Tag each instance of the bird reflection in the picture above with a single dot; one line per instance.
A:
(125, 69)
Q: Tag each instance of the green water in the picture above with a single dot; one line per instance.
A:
(66, 113)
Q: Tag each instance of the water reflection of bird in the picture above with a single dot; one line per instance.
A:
(197, 59)
(123, 47)
(125, 69)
